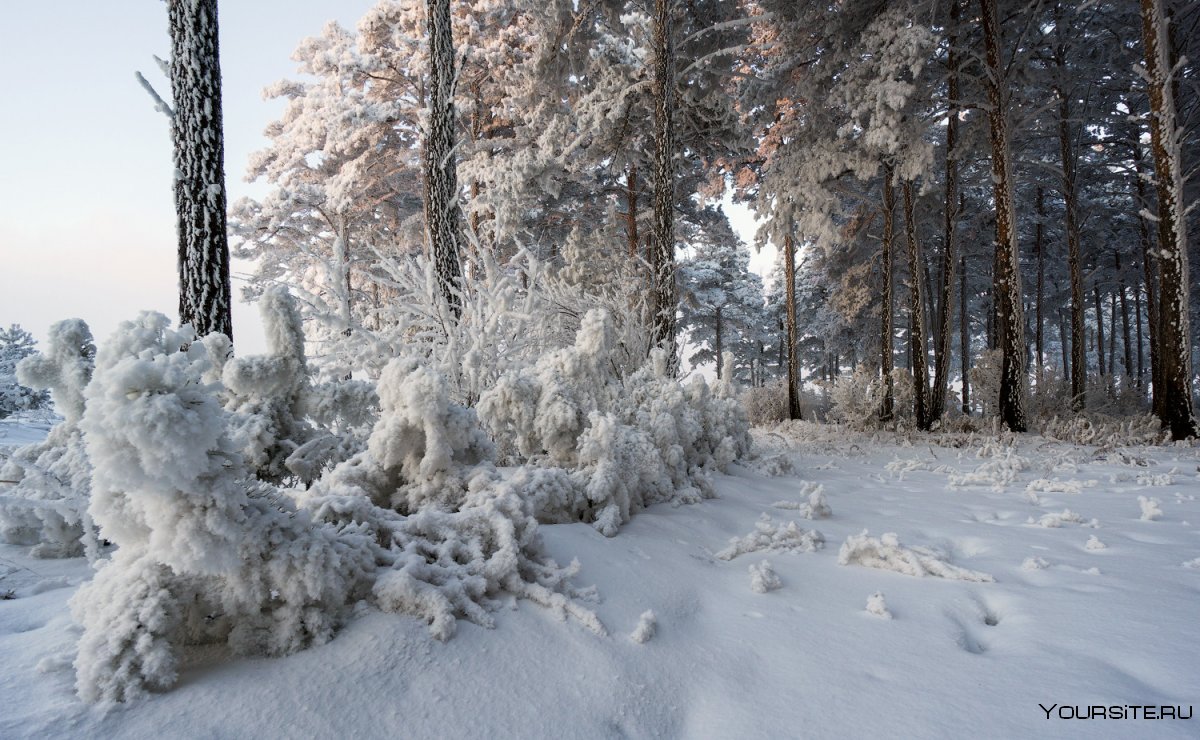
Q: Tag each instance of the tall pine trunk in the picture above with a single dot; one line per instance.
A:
(916, 306)
(793, 364)
(1011, 321)
(1175, 350)
(941, 349)
(662, 246)
(1039, 248)
(1099, 331)
(205, 296)
(887, 410)
(443, 216)
(1148, 276)
(964, 335)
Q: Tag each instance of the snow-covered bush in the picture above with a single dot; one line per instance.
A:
(857, 398)
(46, 506)
(985, 381)
(15, 345)
(625, 442)
(205, 552)
(766, 404)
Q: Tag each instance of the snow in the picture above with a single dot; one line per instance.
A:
(960, 658)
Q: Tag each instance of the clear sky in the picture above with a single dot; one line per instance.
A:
(86, 209)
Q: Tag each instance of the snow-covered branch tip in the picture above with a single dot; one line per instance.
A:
(160, 105)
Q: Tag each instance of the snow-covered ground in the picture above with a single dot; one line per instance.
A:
(1055, 575)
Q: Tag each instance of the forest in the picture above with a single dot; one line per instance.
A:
(509, 262)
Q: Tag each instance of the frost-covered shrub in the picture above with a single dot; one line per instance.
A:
(856, 399)
(985, 381)
(47, 505)
(15, 345)
(1104, 431)
(205, 553)
(626, 442)
(766, 404)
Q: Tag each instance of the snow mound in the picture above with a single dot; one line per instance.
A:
(876, 606)
(1094, 543)
(773, 535)
(1054, 520)
(646, 627)
(886, 553)
(763, 578)
(996, 473)
(1151, 508)
(1035, 563)
(1043, 485)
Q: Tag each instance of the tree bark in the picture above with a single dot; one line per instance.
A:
(1039, 248)
(631, 209)
(443, 215)
(1148, 277)
(205, 295)
(1013, 380)
(1176, 408)
(941, 350)
(662, 251)
(916, 306)
(887, 410)
(1099, 331)
(793, 365)
(964, 335)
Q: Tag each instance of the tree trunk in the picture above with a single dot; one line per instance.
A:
(631, 209)
(1112, 337)
(886, 411)
(964, 335)
(941, 349)
(1013, 380)
(1137, 322)
(443, 216)
(1039, 248)
(205, 296)
(1126, 340)
(662, 250)
(1070, 198)
(1148, 276)
(916, 305)
(1099, 331)
(793, 365)
(1175, 339)
(719, 344)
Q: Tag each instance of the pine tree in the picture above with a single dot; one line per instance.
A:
(443, 215)
(195, 70)
(1174, 306)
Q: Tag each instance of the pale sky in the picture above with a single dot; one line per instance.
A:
(86, 210)
(87, 220)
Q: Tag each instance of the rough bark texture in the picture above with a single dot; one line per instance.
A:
(1099, 331)
(662, 238)
(443, 215)
(204, 289)
(1176, 408)
(1011, 321)
(631, 209)
(964, 335)
(1069, 191)
(1148, 276)
(916, 306)
(887, 410)
(941, 348)
(1039, 248)
(793, 363)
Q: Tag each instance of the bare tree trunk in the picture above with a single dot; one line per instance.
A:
(964, 335)
(885, 366)
(631, 209)
(205, 295)
(1125, 332)
(662, 249)
(443, 215)
(1099, 331)
(1013, 380)
(719, 343)
(1137, 322)
(1039, 247)
(1148, 275)
(1175, 339)
(916, 304)
(1112, 337)
(1064, 341)
(793, 365)
(941, 350)
(1069, 191)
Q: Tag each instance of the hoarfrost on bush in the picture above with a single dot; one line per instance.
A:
(770, 534)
